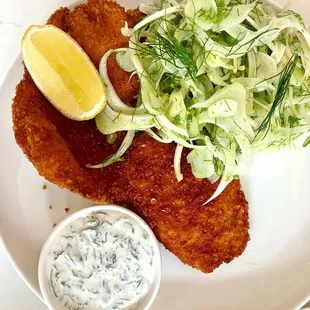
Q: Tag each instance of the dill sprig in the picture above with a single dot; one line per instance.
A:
(171, 47)
(164, 46)
(293, 121)
(284, 81)
(168, 47)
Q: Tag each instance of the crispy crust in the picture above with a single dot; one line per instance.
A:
(200, 236)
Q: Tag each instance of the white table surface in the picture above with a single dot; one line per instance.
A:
(15, 17)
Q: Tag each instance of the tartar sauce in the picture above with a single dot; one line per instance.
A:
(102, 261)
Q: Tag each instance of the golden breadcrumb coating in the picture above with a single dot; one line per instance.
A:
(201, 236)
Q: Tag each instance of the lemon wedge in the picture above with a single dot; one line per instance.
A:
(63, 72)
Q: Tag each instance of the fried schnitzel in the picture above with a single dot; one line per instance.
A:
(201, 236)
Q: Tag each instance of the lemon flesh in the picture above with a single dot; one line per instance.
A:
(63, 72)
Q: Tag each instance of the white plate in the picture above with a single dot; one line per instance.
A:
(273, 272)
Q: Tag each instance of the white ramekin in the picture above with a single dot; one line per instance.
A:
(44, 279)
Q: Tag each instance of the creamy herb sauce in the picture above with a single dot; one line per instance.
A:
(103, 261)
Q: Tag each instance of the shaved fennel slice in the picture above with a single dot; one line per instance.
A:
(163, 138)
(179, 139)
(157, 15)
(226, 124)
(235, 92)
(266, 66)
(252, 67)
(164, 122)
(235, 17)
(118, 155)
(124, 61)
(126, 31)
(194, 7)
(255, 84)
(300, 129)
(113, 100)
(148, 9)
(210, 20)
(278, 50)
(227, 176)
(177, 162)
(234, 132)
(238, 32)
(223, 108)
(109, 121)
(246, 124)
(201, 161)
(246, 154)
(252, 40)
(152, 102)
(117, 116)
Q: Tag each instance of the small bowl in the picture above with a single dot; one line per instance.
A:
(44, 281)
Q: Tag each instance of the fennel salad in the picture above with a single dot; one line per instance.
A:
(223, 78)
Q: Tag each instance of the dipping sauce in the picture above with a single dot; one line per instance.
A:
(102, 261)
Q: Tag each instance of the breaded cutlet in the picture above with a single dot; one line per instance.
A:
(201, 236)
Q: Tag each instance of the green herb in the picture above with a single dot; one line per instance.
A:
(307, 142)
(284, 81)
(293, 121)
(176, 120)
(165, 47)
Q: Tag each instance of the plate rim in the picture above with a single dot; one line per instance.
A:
(13, 63)
(37, 293)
